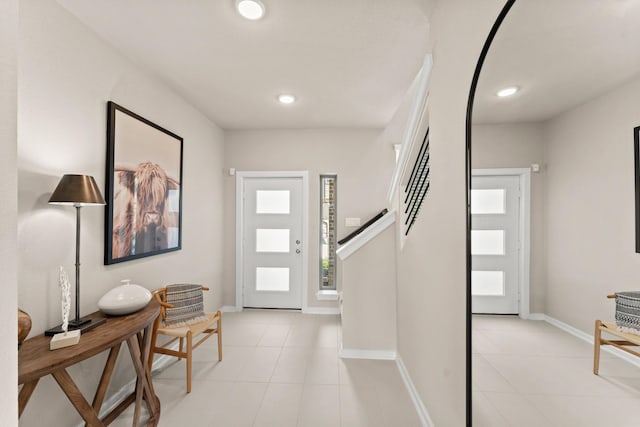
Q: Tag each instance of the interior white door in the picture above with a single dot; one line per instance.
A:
(495, 222)
(272, 242)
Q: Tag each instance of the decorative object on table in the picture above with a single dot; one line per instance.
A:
(124, 299)
(65, 338)
(144, 180)
(79, 191)
(182, 317)
(24, 326)
(636, 137)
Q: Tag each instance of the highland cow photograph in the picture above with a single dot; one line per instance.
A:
(144, 177)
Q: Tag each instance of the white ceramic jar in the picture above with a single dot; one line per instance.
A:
(124, 299)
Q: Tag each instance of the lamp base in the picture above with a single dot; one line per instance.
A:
(84, 324)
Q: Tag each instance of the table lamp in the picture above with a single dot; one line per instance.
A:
(79, 191)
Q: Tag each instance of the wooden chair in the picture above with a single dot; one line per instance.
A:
(627, 339)
(203, 326)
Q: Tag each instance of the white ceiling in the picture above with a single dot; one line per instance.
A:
(349, 62)
(562, 53)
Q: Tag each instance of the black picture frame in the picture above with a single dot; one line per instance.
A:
(143, 216)
(636, 149)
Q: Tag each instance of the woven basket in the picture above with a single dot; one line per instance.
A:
(628, 311)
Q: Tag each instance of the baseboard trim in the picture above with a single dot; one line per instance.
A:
(321, 310)
(355, 353)
(305, 310)
(425, 419)
(589, 338)
(535, 316)
(113, 401)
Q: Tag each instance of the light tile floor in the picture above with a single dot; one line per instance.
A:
(530, 373)
(280, 369)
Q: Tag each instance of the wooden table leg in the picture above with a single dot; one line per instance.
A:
(75, 396)
(153, 403)
(25, 395)
(143, 385)
(134, 350)
(146, 354)
(106, 378)
(596, 347)
(119, 409)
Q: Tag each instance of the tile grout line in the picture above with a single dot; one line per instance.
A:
(568, 334)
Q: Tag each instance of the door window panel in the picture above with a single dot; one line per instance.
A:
(272, 279)
(272, 240)
(273, 202)
(485, 202)
(487, 242)
(487, 283)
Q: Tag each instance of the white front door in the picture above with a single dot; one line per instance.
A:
(495, 219)
(272, 242)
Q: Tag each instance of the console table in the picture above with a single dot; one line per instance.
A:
(35, 361)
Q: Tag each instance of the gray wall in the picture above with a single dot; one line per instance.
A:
(519, 145)
(431, 265)
(66, 76)
(369, 296)
(363, 159)
(8, 211)
(590, 209)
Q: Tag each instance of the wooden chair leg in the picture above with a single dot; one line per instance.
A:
(189, 353)
(596, 347)
(219, 336)
(181, 344)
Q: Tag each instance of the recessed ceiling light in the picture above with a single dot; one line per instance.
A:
(250, 9)
(507, 91)
(286, 98)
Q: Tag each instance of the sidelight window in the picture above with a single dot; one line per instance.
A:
(328, 223)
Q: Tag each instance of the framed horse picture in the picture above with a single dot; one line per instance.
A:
(144, 187)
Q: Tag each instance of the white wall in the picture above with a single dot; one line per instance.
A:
(431, 266)
(8, 211)
(66, 76)
(369, 297)
(362, 159)
(590, 207)
(519, 145)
